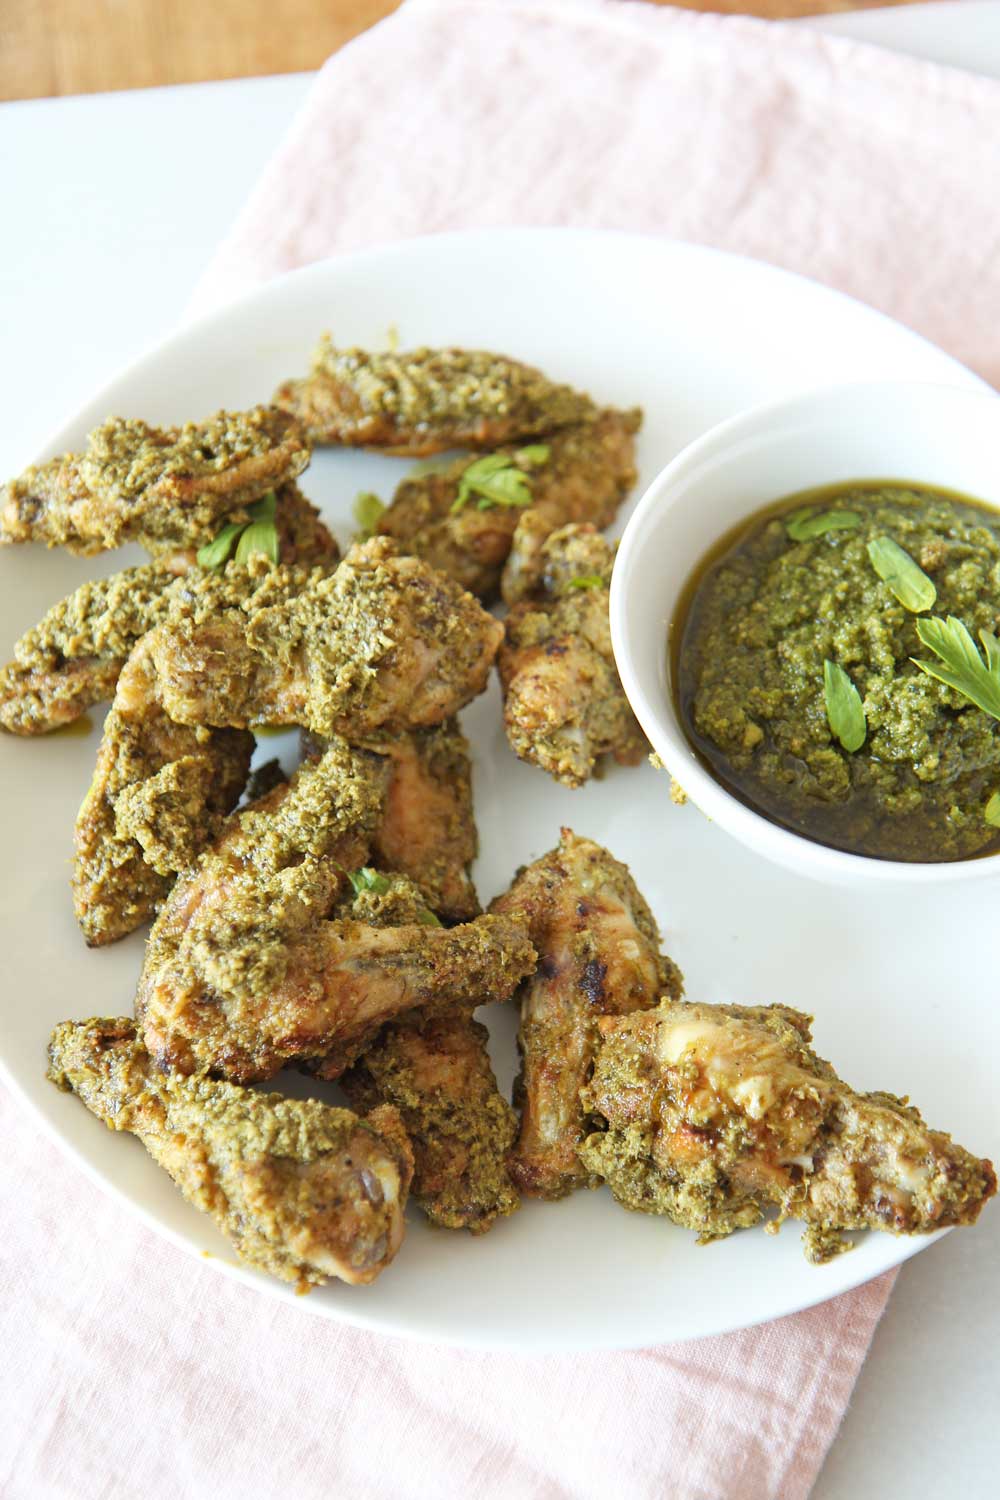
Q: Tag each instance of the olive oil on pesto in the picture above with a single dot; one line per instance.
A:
(761, 615)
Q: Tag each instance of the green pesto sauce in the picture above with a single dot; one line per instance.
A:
(763, 612)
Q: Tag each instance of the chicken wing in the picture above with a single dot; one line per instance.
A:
(426, 400)
(382, 644)
(245, 971)
(564, 705)
(436, 1071)
(160, 790)
(709, 1114)
(164, 487)
(598, 950)
(302, 1191)
(586, 474)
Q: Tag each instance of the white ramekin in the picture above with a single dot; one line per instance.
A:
(929, 434)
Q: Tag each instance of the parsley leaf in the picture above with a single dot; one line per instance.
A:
(959, 663)
(367, 509)
(901, 575)
(497, 479)
(844, 710)
(803, 525)
(587, 581)
(258, 534)
(367, 879)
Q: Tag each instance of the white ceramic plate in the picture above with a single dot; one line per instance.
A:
(902, 986)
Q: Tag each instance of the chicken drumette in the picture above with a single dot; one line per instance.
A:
(564, 705)
(245, 968)
(581, 473)
(381, 645)
(303, 1191)
(426, 400)
(166, 488)
(712, 1113)
(598, 949)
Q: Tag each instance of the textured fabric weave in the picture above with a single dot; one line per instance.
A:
(131, 1369)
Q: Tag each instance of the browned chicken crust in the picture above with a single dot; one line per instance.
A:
(244, 969)
(436, 1071)
(564, 705)
(428, 829)
(425, 400)
(382, 644)
(164, 487)
(303, 1191)
(710, 1114)
(598, 954)
(589, 470)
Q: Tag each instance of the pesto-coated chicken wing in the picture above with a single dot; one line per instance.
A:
(585, 474)
(382, 644)
(160, 789)
(245, 969)
(303, 1191)
(598, 954)
(564, 705)
(436, 1071)
(712, 1113)
(164, 487)
(71, 659)
(425, 400)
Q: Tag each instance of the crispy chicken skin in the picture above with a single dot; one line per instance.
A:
(245, 970)
(712, 1113)
(164, 487)
(564, 705)
(427, 830)
(426, 400)
(598, 954)
(303, 1191)
(382, 644)
(589, 470)
(436, 1071)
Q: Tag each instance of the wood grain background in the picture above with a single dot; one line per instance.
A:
(52, 47)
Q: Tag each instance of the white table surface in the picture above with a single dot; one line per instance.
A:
(110, 213)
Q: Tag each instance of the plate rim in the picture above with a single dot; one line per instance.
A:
(208, 323)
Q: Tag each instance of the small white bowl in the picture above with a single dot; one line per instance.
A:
(929, 434)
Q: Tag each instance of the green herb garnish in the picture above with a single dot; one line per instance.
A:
(587, 581)
(367, 509)
(258, 534)
(496, 479)
(803, 525)
(367, 879)
(959, 664)
(844, 710)
(992, 810)
(901, 575)
(428, 919)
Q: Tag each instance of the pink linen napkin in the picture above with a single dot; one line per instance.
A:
(131, 1369)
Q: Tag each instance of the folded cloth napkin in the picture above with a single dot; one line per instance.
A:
(129, 1369)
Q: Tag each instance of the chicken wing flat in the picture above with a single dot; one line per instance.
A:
(586, 474)
(72, 658)
(302, 1191)
(564, 705)
(598, 954)
(436, 1071)
(382, 644)
(246, 972)
(715, 1112)
(164, 487)
(426, 400)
